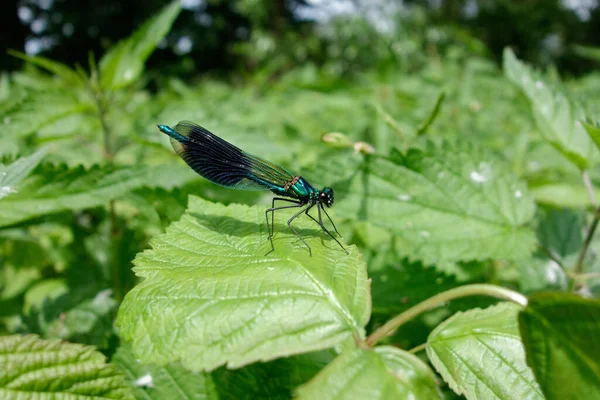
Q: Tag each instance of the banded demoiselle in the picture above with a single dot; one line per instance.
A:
(226, 165)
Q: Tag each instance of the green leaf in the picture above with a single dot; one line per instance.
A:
(31, 368)
(561, 334)
(56, 188)
(124, 63)
(448, 203)
(209, 283)
(11, 175)
(593, 129)
(40, 109)
(561, 233)
(69, 75)
(480, 355)
(558, 118)
(171, 382)
(381, 373)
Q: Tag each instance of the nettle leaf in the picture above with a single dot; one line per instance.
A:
(558, 118)
(211, 297)
(54, 189)
(384, 372)
(561, 334)
(171, 382)
(40, 109)
(479, 353)
(124, 63)
(11, 175)
(448, 203)
(51, 369)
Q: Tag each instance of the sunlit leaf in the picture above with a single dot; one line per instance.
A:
(31, 368)
(381, 373)
(209, 284)
(479, 353)
(171, 382)
(561, 334)
(455, 202)
(124, 63)
(558, 118)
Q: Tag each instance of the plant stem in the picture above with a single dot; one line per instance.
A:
(417, 349)
(586, 243)
(463, 291)
(590, 188)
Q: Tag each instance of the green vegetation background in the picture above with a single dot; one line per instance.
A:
(397, 125)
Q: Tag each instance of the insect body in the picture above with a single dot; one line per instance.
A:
(226, 165)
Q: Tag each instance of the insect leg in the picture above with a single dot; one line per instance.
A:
(272, 210)
(329, 218)
(305, 210)
(320, 222)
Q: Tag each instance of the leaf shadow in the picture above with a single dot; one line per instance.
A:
(232, 226)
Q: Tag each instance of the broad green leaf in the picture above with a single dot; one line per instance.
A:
(31, 368)
(171, 382)
(561, 334)
(448, 203)
(40, 109)
(381, 373)
(558, 118)
(208, 282)
(271, 380)
(69, 75)
(54, 189)
(124, 63)
(11, 175)
(479, 353)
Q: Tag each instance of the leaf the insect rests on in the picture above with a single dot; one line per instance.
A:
(124, 63)
(480, 354)
(211, 297)
(558, 117)
(50, 369)
(561, 334)
(384, 372)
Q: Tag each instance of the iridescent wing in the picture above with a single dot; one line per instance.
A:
(223, 163)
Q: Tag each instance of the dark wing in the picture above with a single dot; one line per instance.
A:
(223, 163)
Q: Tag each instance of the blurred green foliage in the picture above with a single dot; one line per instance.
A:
(406, 126)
